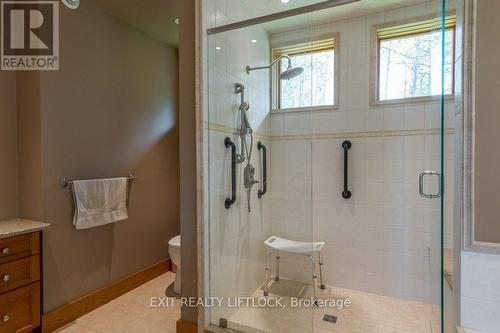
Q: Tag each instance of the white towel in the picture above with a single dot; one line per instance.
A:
(99, 202)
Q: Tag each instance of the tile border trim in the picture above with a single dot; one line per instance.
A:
(340, 135)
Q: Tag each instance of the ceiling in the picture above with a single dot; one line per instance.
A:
(264, 7)
(154, 17)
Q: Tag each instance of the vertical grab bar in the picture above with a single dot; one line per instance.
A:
(230, 201)
(346, 194)
(263, 191)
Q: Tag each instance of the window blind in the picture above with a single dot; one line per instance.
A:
(308, 47)
(416, 28)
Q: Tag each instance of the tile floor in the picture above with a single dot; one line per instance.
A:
(369, 313)
(132, 312)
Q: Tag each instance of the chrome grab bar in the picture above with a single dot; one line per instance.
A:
(421, 184)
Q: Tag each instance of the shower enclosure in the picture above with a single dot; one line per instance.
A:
(325, 132)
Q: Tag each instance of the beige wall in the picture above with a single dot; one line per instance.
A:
(487, 117)
(29, 145)
(8, 146)
(109, 111)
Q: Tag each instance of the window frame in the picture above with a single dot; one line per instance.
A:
(310, 47)
(375, 59)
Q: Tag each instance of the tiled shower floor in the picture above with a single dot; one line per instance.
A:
(369, 313)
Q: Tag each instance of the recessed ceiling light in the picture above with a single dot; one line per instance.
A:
(218, 48)
(176, 21)
(254, 40)
(285, 1)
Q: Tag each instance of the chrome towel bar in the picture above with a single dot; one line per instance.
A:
(65, 182)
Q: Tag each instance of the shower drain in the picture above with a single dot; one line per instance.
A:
(330, 318)
(223, 322)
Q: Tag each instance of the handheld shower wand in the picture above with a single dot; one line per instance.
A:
(246, 151)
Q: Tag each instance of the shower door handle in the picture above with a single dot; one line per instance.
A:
(421, 184)
(263, 191)
(230, 201)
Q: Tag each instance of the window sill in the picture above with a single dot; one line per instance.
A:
(425, 99)
(325, 108)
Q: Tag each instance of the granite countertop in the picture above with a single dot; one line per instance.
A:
(16, 227)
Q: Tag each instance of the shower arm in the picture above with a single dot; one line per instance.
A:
(249, 69)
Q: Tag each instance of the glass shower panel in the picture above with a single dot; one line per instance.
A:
(259, 186)
(448, 161)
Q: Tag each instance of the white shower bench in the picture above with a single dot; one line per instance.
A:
(277, 245)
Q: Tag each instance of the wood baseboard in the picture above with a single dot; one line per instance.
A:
(85, 304)
(185, 327)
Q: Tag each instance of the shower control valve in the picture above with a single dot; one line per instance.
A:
(248, 175)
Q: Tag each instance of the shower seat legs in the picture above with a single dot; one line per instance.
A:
(266, 283)
(277, 273)
(315, 281)
(321, 281)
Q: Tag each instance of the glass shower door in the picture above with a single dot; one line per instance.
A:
(259, 186)
(383, 238)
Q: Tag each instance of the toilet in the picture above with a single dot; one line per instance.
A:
(174, 250)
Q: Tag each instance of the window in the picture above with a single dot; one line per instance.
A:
(315, 87)
(409, 60)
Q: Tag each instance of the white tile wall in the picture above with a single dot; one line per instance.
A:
(382, 233)
(480, 298)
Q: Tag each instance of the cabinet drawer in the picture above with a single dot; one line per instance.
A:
(20, 309)
(16, 247)
(18, 273)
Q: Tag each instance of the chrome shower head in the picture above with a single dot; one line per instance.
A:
(287, 74)
(291, 72)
